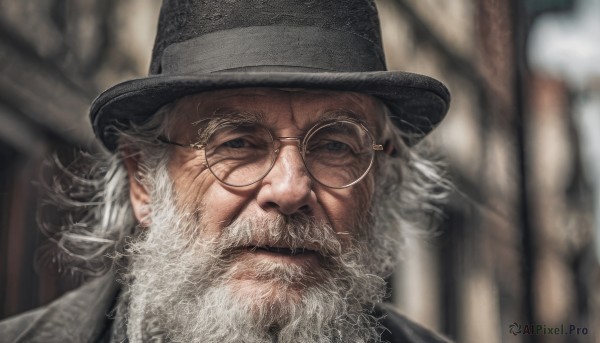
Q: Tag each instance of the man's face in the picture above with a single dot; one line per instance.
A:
(286, 209)
(287, 189)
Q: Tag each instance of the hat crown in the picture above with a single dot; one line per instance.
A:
(185, 20)
(204, 45)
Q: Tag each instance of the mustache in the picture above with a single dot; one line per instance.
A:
(298, 232)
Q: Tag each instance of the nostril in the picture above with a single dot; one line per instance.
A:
(304, 209)
(271, 204)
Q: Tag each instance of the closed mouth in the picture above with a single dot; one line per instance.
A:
(285, 251)
(281, 250)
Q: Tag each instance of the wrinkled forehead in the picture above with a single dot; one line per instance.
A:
(277, 108)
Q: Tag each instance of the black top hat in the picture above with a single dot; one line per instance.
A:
(332, 45)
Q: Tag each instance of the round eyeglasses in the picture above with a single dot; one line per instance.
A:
(336, 154)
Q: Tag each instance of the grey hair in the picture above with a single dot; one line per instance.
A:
(90, 200)
(413, 181)
(86, 210)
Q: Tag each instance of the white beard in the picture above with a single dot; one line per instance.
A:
(184, 287)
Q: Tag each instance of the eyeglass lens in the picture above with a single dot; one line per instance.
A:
(336, 154)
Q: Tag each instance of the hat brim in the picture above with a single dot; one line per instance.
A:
(418, 103)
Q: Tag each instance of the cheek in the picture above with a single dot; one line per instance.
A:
(220, 206)
(197, 191)
(347, 208)
(190, 180)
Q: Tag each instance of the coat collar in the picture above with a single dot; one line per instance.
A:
(87, 315)
(81, 315)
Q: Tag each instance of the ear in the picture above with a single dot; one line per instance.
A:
(140, 198)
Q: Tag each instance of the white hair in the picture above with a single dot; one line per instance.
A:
(87, 210)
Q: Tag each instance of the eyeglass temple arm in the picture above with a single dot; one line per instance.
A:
(376, 147)
(195, 146)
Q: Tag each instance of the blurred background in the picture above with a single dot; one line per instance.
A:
(520, 240)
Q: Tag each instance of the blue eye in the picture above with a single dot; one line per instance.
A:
(336, 146)
(235, 143)
(330, 148)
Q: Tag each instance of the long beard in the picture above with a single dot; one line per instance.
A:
(185, 287)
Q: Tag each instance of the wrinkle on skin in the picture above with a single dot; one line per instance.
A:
(188, 165)
(286, 113)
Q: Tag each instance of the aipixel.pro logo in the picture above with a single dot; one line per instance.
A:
(543, 330)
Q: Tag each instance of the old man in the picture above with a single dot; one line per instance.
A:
(259, 184)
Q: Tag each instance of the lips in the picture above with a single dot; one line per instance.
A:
(282, 250)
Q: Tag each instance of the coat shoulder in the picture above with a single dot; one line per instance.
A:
(399, 328)
(88, 305)
(12, 327)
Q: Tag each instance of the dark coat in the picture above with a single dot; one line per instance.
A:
(81, 316)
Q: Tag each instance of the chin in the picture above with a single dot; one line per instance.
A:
(276, 300)
(267, 285)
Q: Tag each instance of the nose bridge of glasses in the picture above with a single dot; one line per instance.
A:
(283, 140)
(287, 140)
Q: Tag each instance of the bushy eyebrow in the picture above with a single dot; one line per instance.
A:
(207, 126)
(339, 114)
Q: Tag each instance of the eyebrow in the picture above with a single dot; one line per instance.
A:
(225, 115)
(220, 116)
(339, 114)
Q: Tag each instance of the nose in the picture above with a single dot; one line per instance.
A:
(287, 188)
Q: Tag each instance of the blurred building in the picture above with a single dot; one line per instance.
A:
(55, 57)
(509, 251)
